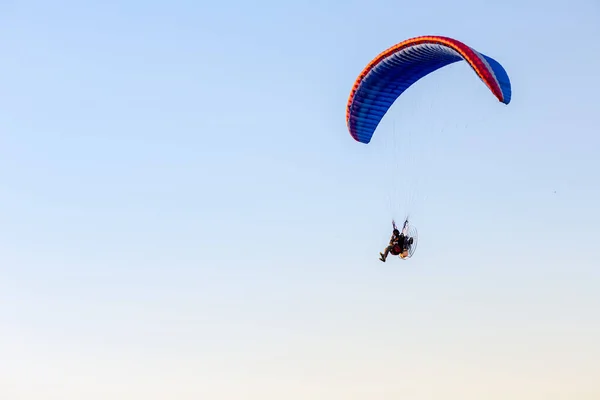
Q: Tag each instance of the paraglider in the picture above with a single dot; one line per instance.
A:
(402, 244)
(393, 71)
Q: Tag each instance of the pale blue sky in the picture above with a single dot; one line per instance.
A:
(183, 213)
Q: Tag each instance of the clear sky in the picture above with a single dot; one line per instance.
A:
(183, 213)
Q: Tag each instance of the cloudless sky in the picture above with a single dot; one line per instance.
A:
(183, 213)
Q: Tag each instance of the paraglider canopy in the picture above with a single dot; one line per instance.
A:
(393, 71)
